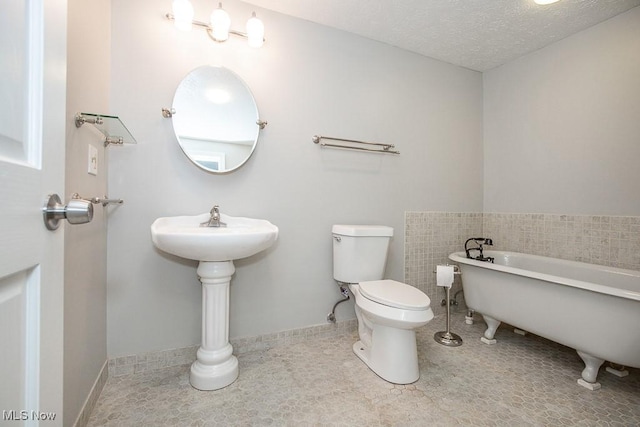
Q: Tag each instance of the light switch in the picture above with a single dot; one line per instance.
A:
(93, 160)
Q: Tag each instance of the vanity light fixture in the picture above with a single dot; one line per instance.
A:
(545, 2)
(219, 26)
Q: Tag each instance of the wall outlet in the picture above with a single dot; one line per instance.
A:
(93, 160)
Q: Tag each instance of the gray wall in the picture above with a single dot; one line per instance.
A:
(85, 292)
(562, 128)
(307, 79)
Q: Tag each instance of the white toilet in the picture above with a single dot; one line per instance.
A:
(388, 312)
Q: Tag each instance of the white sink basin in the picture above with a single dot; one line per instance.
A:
(183, 236)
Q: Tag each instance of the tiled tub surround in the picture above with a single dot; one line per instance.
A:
(431, 236)
(521, 381)
(429, 239)
(606, 240)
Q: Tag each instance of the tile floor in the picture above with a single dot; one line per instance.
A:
(520, 381)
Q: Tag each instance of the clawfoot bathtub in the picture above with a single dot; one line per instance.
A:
(591, 308)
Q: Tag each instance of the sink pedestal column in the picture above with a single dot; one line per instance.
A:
(215, 366)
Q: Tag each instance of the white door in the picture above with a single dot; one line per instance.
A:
(32, 152)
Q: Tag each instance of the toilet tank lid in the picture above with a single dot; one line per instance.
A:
(362, 230)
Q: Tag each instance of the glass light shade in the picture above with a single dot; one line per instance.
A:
(220, 23)
(182, 14)
(255, 31)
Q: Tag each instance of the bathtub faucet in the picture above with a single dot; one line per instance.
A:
(480, 241)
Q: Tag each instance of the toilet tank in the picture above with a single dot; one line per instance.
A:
(360, 252)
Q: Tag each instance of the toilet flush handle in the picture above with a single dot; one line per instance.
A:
(337, 238)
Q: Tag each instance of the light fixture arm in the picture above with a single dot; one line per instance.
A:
(201, 24)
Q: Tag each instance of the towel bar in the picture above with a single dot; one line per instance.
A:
(383, 148)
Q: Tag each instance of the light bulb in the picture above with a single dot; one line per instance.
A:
(220, 23)
(182, 14)
(255, 31)
(543, 2)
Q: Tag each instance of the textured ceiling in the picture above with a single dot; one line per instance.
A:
(476, 34)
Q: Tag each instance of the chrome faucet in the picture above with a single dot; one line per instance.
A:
(214, 220)
(478, 241)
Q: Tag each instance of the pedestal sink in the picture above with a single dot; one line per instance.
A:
(216, 248)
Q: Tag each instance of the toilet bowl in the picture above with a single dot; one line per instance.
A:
(388, 313)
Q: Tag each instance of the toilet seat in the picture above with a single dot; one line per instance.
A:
(394, 294)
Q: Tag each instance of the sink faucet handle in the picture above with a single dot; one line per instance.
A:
(215, 212)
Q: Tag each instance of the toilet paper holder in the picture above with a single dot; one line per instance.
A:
(456, 268)
(447, 337)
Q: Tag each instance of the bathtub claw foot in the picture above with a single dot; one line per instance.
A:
(492, 327)
(468, 319)
(617, 370)
(590, 386)
(590, 372)
(489, 342)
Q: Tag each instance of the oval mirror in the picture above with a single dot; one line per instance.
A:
(215, 119)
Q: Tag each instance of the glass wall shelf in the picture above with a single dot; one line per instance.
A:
(114, 131)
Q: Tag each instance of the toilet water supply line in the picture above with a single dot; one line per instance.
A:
(344, 290)
(453, 301)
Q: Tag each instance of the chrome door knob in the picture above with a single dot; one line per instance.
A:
(77, 211)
